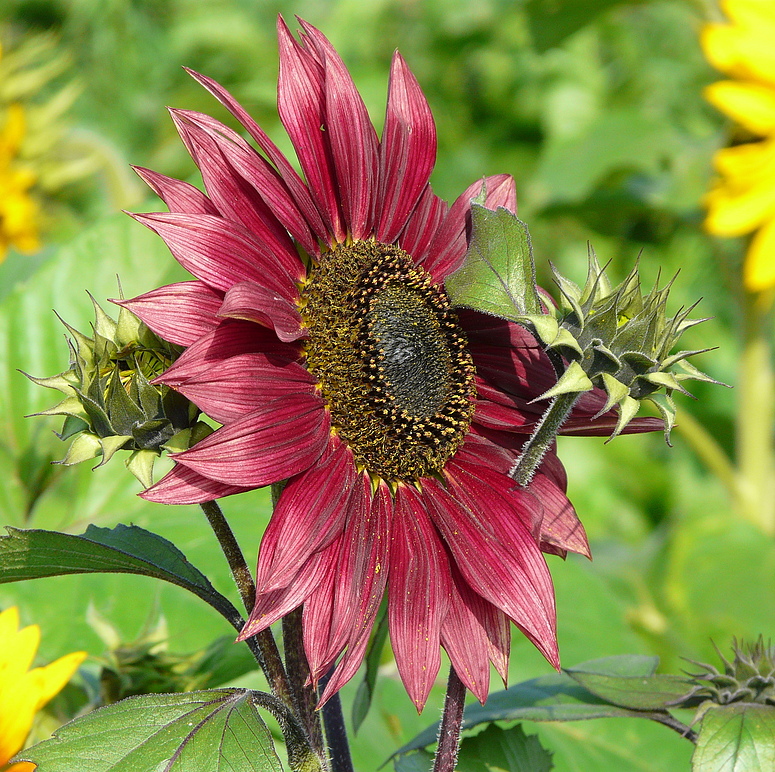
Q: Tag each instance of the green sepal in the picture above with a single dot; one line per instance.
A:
(665, 380)
(628, 408)
(110, 445)
(140, 464)
(69, 407)
(545, 327)
(573, 381)
(564, 339)
(666, 411)
(59, 382)
(497, 275)
(615, 390)
(84, 447)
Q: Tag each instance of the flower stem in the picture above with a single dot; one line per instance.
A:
(336, 733)
(451, 724)
(269, 658)
(303, 694)
(756, 408)
(542, 438)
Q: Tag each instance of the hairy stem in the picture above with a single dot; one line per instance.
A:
(542, 438)
(302, 692)
(336, 733)
(675, 725)
(451, 724)
(263, 644)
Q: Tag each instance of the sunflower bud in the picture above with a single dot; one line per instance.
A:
(750, 677)
(110, 403)
(620, 340)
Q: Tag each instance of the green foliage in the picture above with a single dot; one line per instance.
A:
(124, 549)
(498, 275)
(734, 738)
(596, 108)
(204, 731)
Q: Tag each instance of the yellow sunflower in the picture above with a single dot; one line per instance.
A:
(742, 199)
(23, 692)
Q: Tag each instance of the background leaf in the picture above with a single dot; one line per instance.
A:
(736, 738)
(205, 731)
(497, 275)
(498, 749)
(124, 549)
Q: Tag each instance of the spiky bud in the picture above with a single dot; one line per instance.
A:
(110, 403)
(620, 340)
(750, 677)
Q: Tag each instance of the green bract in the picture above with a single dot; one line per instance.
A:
(750, 677)
(110, 403)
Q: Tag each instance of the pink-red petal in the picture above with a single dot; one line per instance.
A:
(293, 182)
(179, 196)
(252, 302)
(185, 486)
(219, 252)
(301, 104)
(180, 313)
(407, 153)
(241, 384)
(351, 136)
(310, 514)
(418, 591)
(279, 440)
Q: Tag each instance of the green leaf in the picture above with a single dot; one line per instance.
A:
(498, 749)
(124, 549)
(551, 21)
(497, 275)
(555, 697)
(365, 693)
(736, 738)
(419, 761)
(205, 731)
(654, 692)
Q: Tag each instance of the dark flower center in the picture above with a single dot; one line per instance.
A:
(391, 359)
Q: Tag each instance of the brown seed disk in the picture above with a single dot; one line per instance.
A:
(391, 359)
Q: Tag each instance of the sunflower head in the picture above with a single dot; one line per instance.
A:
(749, 677)
(619, 339)
(110, 401)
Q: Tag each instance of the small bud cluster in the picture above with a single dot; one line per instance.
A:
(750, 677)
(110, 403)
(619, 340)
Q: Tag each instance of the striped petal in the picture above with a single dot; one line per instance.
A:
(407, 152)
(180, 313)
(275, 442)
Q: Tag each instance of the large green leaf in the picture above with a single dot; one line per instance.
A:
(498, 749)
(551, 21)
(736, 738)
(124, 549)
(639, 692)
(205, 731)
(497, 275)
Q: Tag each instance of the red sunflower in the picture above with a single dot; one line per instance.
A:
(318, 332)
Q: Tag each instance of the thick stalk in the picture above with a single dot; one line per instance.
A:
(451, 724)
(755, 413)
(542, 438)
(301, 689)
(336, 733)
(269, 658)
(303, 694)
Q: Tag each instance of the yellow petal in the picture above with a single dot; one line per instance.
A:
(744, 198)
(22, 766)
(18, 651)
(53, 678)
(17, 711)
(746, 53)
(752, 105)
(759, 268)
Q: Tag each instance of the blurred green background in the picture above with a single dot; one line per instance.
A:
(595, 107)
